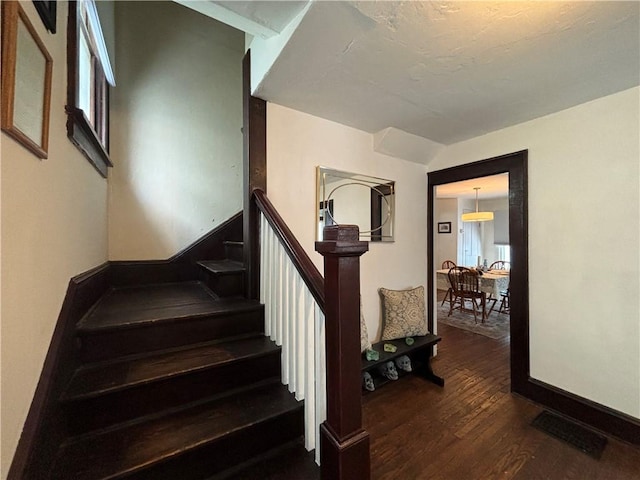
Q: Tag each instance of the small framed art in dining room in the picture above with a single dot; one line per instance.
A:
(26, 81)
(444, 227)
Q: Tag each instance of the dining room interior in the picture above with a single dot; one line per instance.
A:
(472, 244)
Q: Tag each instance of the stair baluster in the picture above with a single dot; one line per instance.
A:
(295, 321)
(293, 292)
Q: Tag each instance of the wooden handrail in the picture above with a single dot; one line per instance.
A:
(308, 271)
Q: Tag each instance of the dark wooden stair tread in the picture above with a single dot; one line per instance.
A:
(93, 380)
(133, 306)
(291, 461)
(222, 267)
(117, 453)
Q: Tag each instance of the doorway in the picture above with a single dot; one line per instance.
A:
(515, 164)
(474, 244)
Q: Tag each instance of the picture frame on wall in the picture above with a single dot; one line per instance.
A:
(444, 227)
(26, 81)
(47, 11)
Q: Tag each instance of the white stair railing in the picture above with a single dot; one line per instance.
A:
(295, 321)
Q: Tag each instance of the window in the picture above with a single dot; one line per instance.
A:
(503, 252)
(90, 72)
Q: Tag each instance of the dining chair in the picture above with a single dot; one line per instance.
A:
(500, 265)
(504, 302)
(497, 265)
(445, 265)
(465, 285)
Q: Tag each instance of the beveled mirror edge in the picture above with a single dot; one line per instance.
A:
(321, 194)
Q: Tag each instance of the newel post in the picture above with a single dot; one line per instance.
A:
(344, 444)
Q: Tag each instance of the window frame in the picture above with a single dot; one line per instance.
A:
(92, 142)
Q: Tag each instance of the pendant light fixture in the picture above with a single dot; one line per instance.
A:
(477, 216)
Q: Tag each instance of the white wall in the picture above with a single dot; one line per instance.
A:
(176, 123)
(584, 244)
(296, 144)
(54, 226)
(445, 244)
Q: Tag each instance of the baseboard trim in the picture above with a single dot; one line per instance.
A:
(41, 432)
(181, 266)
(211, 245)
(592, 414)
(43, 428)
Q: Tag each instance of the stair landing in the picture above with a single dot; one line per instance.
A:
(134, 306)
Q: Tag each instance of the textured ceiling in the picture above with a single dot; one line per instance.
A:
(265, 19)
(448, 71)
(274, 15)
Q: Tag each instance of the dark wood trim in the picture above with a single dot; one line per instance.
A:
(79, 129)
(254, 132)
(515, 164)
(590, 413)
(211, 245)
(47, 11)
(44, 428)
(584, 410)
(181, 266)
(125, 273)
(307, 269)
(376, 210)
(72, 53)
(344, 447)
(83, 136)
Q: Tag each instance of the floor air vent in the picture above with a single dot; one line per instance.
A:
(585, 440)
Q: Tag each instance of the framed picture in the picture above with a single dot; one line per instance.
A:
(47, 11)
(26, 81)
(444, 227)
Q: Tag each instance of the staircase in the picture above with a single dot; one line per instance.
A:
(178, 381)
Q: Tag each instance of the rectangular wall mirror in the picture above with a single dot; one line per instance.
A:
(345, 198)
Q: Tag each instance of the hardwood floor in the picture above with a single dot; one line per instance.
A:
(474, 428)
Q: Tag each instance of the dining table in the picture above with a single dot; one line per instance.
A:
(492, 282)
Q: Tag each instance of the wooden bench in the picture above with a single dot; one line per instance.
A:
(420, 354)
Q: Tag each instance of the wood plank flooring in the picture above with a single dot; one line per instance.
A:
(474, 428)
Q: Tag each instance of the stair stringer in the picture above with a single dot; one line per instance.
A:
(44, 425)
